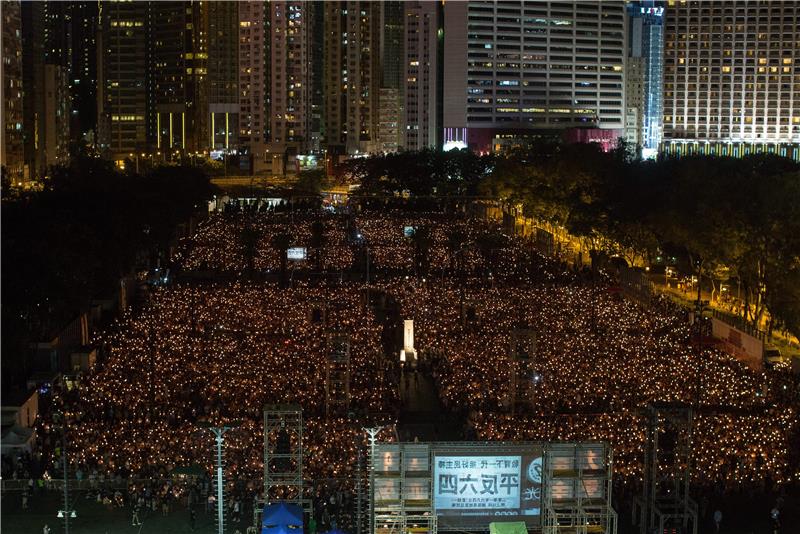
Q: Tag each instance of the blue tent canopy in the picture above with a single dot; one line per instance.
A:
(282, 518)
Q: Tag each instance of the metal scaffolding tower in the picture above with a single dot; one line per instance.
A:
(283, 455)
(524, 376)
(337, 375)
(219, 479)
(401, 489)
(665, 500)
(577, 489)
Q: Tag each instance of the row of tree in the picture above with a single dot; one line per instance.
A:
(735, 221)
(73, 241)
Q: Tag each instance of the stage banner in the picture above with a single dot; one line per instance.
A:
(471, 489)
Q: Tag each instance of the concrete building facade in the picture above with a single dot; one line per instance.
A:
(512, 68)
(122, 89)
(12, 153)
(420, 69)
(352, 77)
(731, 81)
(254, 91)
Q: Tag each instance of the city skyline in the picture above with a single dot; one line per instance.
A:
(282, 85)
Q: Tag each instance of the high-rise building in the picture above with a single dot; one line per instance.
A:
(123, 79)
(178, 56)
(644, 75)
(83, 76)
(169, 77)
(47, 105)
(223, 75)
(254, 68)
(390, 97)
(317, 77)
(56, 114)
(11, 134)
(420, 124)
(513, 68)
(290, 79)
(731, 81)
(32, 14)
(352, 78)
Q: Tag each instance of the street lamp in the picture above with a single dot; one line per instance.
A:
(373, 439)
(66, 513)
(219, 433)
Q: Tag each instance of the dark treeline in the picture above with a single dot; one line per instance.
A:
(735, 221)
(72, 241)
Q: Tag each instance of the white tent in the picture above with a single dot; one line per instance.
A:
(16, 438)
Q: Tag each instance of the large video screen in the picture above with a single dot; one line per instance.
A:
(296, 253)
(471, 490)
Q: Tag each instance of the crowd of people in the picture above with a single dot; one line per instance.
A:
(220, 351)
(599, 361)
(218, 245)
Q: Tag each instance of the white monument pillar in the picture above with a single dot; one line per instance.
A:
(408, 352)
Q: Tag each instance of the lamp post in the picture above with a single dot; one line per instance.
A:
(66, 513)
(219, 435)
(373, 438)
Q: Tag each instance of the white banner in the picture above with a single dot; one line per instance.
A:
(467, 483)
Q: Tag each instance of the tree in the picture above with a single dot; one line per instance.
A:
(281, 243)
(422, 243)
(456, 240)
(488, 243)
(311, 181)
(72, 241)
(318, 241)
(249, 240)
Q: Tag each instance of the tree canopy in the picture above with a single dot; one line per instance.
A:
(72, 241)
(732, 220)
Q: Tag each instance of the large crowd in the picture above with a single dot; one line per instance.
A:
(599, 361)
(220, 351)
(218, 245)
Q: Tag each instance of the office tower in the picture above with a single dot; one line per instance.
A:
(352, 80)
(11, 144)
(390, 97)
(57, 33)
(46, 29)
(513, 69)
(420, 69)
(730, 77)
(57, 105)
(290, 78)
(223, 75)
(32, 22)
(644, 76)
(122, 79)
(317, 77)
(178, 50)
(253, 80)
(83, 76)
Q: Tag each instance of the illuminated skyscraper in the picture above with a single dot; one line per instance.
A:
(352, 78)
(419, 73)
(731, 83)
(644, 75)
(514, 68)
(223, 75)
(11, 143)
(253, 80)
(122, 78)
(290, 85)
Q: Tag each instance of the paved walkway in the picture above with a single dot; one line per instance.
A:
(93, 518)
(423, 416)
